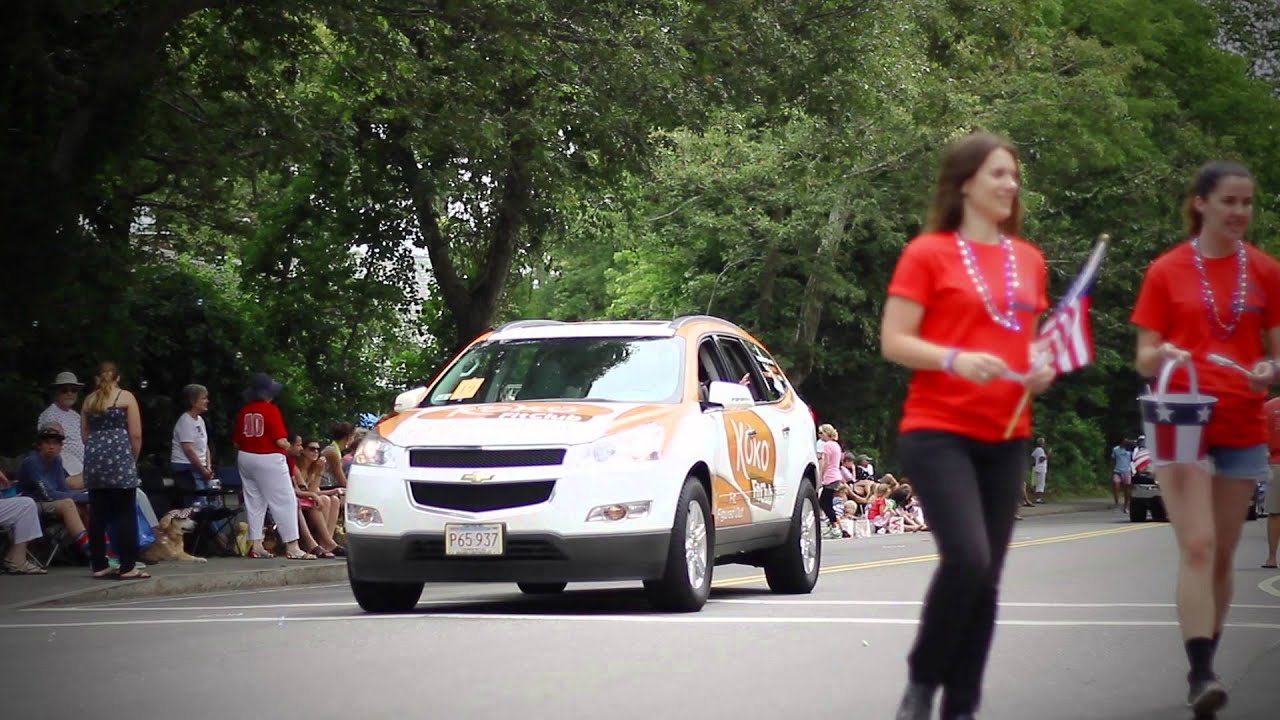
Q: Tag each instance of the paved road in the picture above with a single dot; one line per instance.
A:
(1086, 631)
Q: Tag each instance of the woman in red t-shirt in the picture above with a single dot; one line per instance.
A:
(1213, 293)
(961, 313)
(264, 472)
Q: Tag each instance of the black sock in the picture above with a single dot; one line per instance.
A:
(1217, 638)
(1200, 653)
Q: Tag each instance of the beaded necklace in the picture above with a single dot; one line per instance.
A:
(1222, 330)
(1009, 318)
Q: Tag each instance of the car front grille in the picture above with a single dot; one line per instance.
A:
(477, 497)
(482, 458)
(514, 549)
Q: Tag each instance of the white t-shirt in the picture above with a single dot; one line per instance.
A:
(1039, 461)
(192, 430)
(73, 446)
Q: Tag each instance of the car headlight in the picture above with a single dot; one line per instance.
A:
(641, 444)
(376, 451)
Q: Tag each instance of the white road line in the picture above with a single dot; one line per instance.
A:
(1270, 586)
(655, 619)
(734, 601)
(917, 603)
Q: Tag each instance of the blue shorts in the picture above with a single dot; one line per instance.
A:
(1246, 463)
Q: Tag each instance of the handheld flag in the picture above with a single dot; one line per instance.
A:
(1066, 335)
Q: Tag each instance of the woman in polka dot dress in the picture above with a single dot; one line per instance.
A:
(112, 429)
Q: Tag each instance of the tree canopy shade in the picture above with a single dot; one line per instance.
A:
(342, 192)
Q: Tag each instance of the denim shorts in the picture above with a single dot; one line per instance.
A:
(1246, 463)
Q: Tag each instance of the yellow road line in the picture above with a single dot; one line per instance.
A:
(732, 582)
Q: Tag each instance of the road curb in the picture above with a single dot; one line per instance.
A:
(198, 583)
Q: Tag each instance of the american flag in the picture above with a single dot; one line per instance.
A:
(1141, 459)
(1065, 335)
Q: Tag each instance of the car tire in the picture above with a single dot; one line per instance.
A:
(1138, 510)
(379, 597)
(792, 568)
(1158, 513)
(686, 577)
(542, 588)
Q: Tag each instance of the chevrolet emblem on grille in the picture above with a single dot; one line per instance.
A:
(477, 477)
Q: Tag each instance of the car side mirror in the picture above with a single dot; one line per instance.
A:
(729, 395)
(410, 399)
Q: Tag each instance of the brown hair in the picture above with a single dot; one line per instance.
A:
(107, 382)
(960, 161)
(1202, 186)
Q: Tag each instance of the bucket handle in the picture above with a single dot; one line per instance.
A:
(1166, 372)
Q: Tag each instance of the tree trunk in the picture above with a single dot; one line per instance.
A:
(815, 294)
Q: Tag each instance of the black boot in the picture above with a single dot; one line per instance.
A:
(917, 702)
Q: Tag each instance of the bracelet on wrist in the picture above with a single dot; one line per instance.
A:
(949, 361)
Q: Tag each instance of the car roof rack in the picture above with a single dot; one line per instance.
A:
(686, 319)
(537, 322)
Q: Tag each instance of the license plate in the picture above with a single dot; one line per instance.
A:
(473, 539)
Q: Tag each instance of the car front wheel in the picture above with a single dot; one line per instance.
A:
(792, 568)
(541, 588)
(377, 597)
(686, 578)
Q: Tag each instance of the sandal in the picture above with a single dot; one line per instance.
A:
(106, 573)
(134, 574)
(259, 555)
(321, 553)
(300, 556)
(339, 551)
(26, 567)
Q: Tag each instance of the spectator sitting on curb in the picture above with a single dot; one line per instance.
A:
(66, 390)
(41, 477)
(189, 454)
(19, 514)
(333, 473)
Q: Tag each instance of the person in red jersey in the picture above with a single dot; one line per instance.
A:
(1212, 294)
(1272, 410)
(961, 313)
(262, 439)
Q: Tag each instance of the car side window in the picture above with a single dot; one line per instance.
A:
(741, 369)
(775, 382)
(709, 367)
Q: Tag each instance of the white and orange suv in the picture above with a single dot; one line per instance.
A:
(548, 453)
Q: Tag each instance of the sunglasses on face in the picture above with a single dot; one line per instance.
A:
(69, 390)
(313, 449)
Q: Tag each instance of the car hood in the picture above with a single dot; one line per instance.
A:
(522, 424)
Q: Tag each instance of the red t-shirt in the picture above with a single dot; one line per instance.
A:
(931, 272)
(1170, 303)
(258, 426)
(1272, 410)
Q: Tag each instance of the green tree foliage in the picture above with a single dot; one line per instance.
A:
(764, 211)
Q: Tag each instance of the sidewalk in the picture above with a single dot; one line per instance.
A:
(73, 585)
(1059, 507)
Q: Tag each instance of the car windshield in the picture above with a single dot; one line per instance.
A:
(639, 370)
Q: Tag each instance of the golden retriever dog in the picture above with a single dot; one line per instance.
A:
(168, 544)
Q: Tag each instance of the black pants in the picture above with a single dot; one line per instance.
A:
(826, 501)
(113, 508)
(970, 491)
